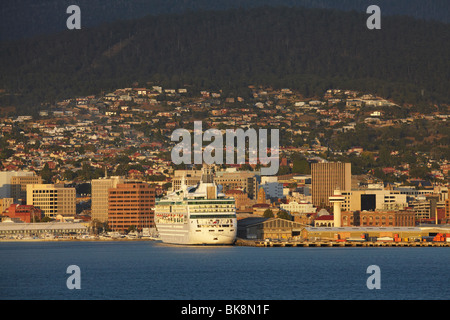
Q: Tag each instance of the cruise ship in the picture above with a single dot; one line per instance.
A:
(197, 215)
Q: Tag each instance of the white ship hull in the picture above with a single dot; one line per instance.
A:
(177, 234)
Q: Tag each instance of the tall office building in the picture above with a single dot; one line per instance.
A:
(19, 186)
(6, 178)
(131, 204)
(52, 199)
(327, 177)
(99, 196)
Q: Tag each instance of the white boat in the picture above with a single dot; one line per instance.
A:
(197, 215)
(132, 235)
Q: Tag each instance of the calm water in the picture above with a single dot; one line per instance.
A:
(149, 270)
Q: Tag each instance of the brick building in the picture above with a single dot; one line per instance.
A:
(26, 213)
(401, 218)
(131, 204)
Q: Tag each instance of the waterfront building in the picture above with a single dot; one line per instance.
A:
(265, 228)
(426, 207)
(52, 199)
(99, 196)
(11, 229)
(373, 199)
(131, 204)
(25, 213)
(401, 218)
(327, 177)
(324, 221)
(334, 233)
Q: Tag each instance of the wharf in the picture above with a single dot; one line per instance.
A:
(262, 243)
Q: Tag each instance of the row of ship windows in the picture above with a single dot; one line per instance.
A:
(179, 218)
(213, 226)
(220, 230)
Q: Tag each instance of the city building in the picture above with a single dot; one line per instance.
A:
(304, 218)
(191, 178)
(99, 196)
(5, 203)
(10, 229)
(6, 183)
(400, 218)
(131, 204)
(426, 207)
(272, 187)
(243, 203)
(327, 177)
(240, 180)
(268, 228)
(333, 233)
(324, 221)
(19, 186)
(298, 207)
(52, 199)
(25, 213)
(372, 199)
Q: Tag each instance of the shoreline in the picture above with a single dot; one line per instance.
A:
(266, 244)
(339, 244)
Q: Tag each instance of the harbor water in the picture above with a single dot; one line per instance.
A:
(149, 270)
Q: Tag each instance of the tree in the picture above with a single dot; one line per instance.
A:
(268, 214)
(284, 215)
(301, 166)
(46, 174)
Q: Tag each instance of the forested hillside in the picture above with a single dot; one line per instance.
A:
(310, 50)
(25, 18)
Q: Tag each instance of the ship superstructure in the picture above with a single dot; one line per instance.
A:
(198, 214)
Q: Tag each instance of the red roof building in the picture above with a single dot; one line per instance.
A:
(26, 213)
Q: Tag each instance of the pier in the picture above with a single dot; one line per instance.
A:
(262, 243)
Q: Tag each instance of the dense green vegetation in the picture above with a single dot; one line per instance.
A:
(310, 50)
(25, 18)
